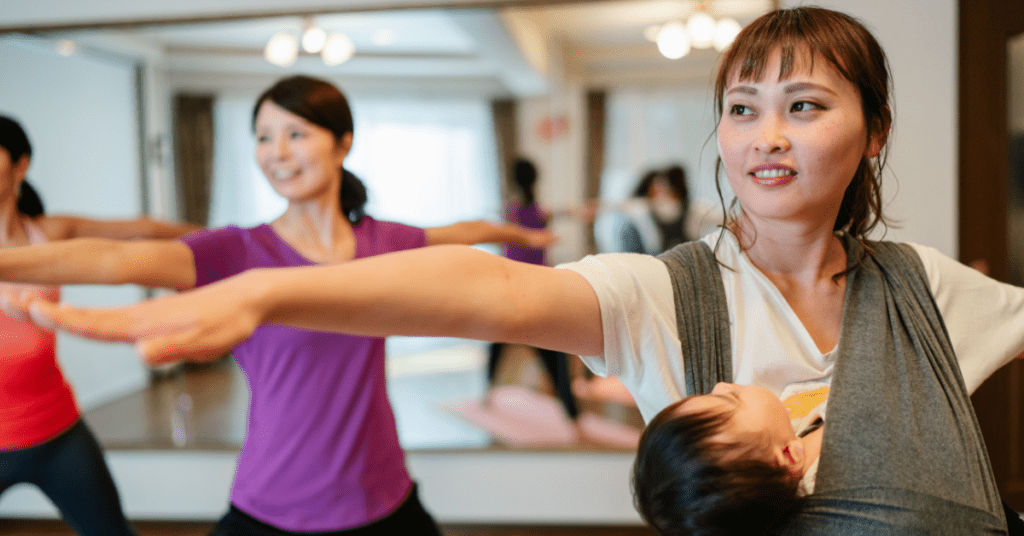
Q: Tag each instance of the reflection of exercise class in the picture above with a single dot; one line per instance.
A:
(590, 268)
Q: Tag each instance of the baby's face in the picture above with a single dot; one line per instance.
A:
(753, 412)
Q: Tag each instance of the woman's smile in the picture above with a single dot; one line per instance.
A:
(773, 175)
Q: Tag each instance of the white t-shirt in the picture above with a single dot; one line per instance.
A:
(771, 347)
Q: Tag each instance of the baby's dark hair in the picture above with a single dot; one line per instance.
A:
(687, 483)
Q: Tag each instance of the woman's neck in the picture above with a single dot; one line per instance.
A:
(317, 230)
(802, 263)
(12, 226)
(792, 252)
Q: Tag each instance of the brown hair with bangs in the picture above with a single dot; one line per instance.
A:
(847, 46)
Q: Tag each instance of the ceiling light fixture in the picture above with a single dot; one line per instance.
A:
(283, 48)
(313, 37)
(337, 50)
(673, 43)
(700, 30)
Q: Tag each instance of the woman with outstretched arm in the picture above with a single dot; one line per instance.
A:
(791, 291)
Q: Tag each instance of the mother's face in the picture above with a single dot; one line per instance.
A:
(791, 147)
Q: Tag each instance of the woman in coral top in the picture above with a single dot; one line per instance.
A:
(43, 440)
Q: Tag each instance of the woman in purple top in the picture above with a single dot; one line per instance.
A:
(321, 453)
(523, 209)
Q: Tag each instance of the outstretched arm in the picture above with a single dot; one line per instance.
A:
(485, 232)
(450, 291)
(66, 227)
(153, 263)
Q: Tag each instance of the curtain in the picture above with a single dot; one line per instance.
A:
(193, 143)
(596, 112)
(504, 113)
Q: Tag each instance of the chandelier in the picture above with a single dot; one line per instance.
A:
(334, 48)
(675, 39)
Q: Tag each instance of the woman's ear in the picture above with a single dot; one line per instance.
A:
(879, 134)
(21, 168)
(342, 148)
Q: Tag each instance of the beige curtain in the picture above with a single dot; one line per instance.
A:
(504, 113)
(193, 155)
(596, 103)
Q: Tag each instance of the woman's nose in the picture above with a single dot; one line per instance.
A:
(280, 147)
(772, 137)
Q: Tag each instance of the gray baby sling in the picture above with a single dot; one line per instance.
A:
(902, 452)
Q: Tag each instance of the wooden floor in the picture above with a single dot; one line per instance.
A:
(204, 407)
(55, 528)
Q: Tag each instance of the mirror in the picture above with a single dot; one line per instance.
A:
(446, 70)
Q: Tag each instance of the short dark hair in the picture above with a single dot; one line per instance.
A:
(675, 176)
(524, 175)
(15, 141)
(685, 484)
(324, 105)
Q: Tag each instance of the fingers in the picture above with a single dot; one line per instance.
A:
(195, 345)
(15, 300)
(101, 324)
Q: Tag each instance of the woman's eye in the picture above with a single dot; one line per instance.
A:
(805, 106)
(262, 138)
(739, 109)
(295, 135)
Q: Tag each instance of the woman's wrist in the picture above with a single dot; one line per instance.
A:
(258, 291)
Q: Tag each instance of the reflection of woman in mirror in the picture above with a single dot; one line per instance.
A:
(43, 440)
(657, 217)
(523, 209)
(321, 453)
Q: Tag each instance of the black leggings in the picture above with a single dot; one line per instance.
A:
(409, 519)
(557, 365)
(71, 471)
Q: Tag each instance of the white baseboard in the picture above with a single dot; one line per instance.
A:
(488, 487)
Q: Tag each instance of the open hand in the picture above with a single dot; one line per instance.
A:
(198, 325)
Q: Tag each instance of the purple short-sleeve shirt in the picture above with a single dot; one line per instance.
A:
(321, 451)
(527, 216)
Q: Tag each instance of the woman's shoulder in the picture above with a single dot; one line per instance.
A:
(375, 237)
(227, 232)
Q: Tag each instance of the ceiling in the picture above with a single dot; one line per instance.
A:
(519, 47)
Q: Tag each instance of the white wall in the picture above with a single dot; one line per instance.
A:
(920, 38)
(80, 116)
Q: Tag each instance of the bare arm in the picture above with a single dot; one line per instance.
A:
(66, 227)
(153, 263)
(484, 232)
(440, 291)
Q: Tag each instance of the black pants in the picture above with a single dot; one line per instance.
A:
(71, 471)
(557, 365)
(409, 519)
